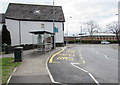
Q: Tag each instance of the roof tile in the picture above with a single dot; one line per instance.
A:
(27, 12)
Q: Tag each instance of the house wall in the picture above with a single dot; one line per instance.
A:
(13, 27)
(27, 26)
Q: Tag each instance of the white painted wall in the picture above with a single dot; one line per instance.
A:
(13, 27)
(0, 29)
(59, 37)
(27, 26)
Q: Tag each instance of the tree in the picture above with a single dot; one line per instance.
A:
(6, 38)
(92, 27)
(113, 27)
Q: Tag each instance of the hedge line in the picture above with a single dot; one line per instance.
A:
(10, 49)
(91, 41)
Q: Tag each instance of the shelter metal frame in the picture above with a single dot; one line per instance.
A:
(43, 46)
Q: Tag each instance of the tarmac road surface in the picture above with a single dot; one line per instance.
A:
(89, 64)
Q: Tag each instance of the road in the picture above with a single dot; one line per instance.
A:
(89, 64)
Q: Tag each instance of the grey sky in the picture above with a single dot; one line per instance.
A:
(102, 11)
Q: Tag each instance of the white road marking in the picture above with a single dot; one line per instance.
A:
(10, 76)
(93, 78)
(79, 68)
(106, 56)
(50, 75)
(110, 58)
(8, 80)
(87, 73)
(84, 62)
(15, 69)
(75, 63)
(81, 58)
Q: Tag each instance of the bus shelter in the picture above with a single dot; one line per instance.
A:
(45, 40)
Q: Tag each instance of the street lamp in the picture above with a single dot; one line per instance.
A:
(81, 32)
(53, 23)
(67, 30)
(53, 15)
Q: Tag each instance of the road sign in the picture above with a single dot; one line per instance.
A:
(55, 29)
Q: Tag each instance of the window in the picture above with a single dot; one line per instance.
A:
(42, 26)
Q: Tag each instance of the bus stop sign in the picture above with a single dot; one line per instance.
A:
(55, 29)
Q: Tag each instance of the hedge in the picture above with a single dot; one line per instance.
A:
(91, 41)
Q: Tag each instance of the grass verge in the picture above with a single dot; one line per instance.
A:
(7, 67)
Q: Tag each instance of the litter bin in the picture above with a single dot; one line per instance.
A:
(18, 54)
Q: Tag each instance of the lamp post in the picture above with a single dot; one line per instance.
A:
(53, 15)
(54, 24)
(80, 32)
(67, 31)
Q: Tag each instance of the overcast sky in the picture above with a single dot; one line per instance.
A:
(101, 11)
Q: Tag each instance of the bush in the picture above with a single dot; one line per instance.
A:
(113, 41)
(6, 37)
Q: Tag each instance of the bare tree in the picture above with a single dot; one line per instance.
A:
(113, 27)
(92, 27)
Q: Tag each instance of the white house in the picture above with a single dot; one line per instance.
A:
(22, 18)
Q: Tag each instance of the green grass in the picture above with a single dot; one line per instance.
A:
(7, 67)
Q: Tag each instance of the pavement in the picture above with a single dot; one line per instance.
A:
(33, 68)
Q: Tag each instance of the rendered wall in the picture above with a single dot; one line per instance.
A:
(27, 26)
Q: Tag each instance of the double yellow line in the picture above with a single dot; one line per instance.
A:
(51, 59)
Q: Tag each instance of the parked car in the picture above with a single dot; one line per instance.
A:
(105, 42)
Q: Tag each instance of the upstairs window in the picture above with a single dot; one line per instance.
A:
(42, 26)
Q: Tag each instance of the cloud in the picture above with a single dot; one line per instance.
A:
(102, 11)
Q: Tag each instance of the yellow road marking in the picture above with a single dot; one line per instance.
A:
(67, 54)
(65, 58)
(59, 58)
(55, 62)
(63, 54)
(71, 51)
(82, 60)
(51, 59)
